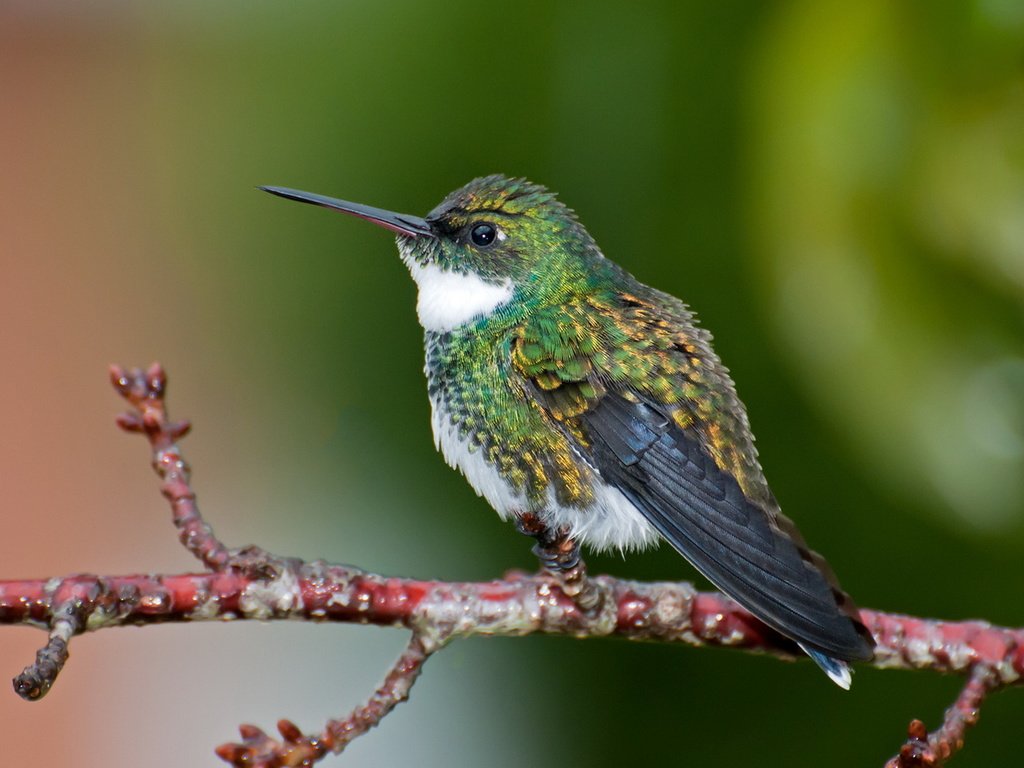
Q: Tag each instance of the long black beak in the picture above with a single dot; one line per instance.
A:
(401, 223)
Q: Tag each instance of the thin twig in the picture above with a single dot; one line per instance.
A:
(258, 750)
(924, 750)
(36, 680)
(144, 391)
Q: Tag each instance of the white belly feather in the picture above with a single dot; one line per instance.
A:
(609, 522)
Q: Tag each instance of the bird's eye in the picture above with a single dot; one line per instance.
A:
(483, 235)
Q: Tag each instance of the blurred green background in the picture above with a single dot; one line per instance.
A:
(836, 188)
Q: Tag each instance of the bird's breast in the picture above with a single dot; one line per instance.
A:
(465, 454)
(604, 520)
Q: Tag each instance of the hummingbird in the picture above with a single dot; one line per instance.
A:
(574, 397)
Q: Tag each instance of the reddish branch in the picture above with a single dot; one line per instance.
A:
(250, 583)
(924, 749)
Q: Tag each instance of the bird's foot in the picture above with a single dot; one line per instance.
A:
(560, 560)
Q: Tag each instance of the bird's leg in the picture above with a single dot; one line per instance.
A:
(559, 556)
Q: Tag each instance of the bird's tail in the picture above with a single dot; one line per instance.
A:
(838, 670)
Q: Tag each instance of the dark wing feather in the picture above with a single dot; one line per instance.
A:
(638, 391)
(702, 512)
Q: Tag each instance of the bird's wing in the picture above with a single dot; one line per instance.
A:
(603, 380)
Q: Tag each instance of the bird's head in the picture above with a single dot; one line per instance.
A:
(496, 244)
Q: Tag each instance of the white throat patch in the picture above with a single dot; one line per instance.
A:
(450, 299)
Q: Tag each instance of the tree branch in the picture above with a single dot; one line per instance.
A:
(252, 584)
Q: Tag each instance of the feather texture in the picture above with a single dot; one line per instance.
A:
(636, 389)
(702, 512)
